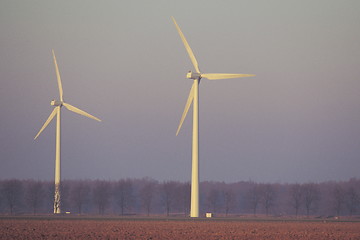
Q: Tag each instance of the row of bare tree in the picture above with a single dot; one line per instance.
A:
(148, 196)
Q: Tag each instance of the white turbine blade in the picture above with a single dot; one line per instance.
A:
(187, 106)
(58, 77)
(188, 49)
(52, 114)
(215, 76)
(81, 112)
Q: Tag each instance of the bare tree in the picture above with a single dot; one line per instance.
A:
(213, 199)
(296, 196)
(254, 197)
(34, 195)
(311, 196)
(48, 203)
(184, 190)
(352, 200)
(169, 195)
(147, 195)
(101, 195)
(79, 194)
(229, 200)
(338, 195)
(123, 193)
(12, 192)
(268, 196)
(1, 197)
(65, 187)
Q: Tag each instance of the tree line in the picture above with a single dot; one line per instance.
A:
(150, 197)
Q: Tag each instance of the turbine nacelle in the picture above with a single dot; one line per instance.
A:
(56, 103)
(192, 75)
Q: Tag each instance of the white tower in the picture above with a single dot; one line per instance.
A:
(57, 112)
(194, 96)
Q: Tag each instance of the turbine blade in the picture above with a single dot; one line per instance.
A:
(215, 76)
(187, 106)
(52, 115)
(188, 49)
(81, 112)
(58, 77)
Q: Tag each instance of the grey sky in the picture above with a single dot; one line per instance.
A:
(123, 61)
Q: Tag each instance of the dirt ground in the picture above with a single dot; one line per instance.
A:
(175, 229)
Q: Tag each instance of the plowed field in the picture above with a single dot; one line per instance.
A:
(162, 229)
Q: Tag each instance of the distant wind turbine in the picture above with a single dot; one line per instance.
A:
(194, 97)
(57, 111)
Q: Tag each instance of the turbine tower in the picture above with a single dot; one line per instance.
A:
(57, 112)
(194, 98)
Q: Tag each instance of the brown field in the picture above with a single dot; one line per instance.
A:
(24, 228)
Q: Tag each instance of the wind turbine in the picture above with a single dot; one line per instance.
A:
(57, 112)
(194, 98)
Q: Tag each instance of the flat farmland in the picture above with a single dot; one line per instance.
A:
(103, 228)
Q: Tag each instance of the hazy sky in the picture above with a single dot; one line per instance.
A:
(298, 120)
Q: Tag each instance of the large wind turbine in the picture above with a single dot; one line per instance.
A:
(57, 111)
(194, 97)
